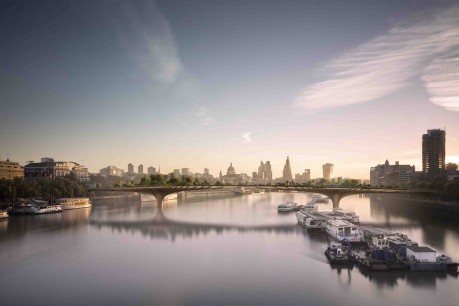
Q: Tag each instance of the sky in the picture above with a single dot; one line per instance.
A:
(197, 84)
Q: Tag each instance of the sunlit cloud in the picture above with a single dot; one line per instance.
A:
(146, 34)
(246, 137)
(426, 47)
(452, 159)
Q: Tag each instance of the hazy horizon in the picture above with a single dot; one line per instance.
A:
(200, 84)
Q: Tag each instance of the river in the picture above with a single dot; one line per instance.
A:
(226, 251)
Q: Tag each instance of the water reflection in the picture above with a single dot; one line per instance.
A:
(434, 222)
(214, 251)
(161, 227)
(414, 279)
(17, 226)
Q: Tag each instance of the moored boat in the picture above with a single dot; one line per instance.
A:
(286, 207)
(21, 209)
(347, 215)
(49, 209)
(317, 198)
(73, 203)
(337, 253)
(242, 191)
(340, 230)
(3, 214)
(312, 220)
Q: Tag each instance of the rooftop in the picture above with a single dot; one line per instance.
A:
(418, 249)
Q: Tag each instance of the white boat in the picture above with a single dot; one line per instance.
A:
(286, 207)
(311, 206)
(317, 198)
(3, 214)
(242, 191)
(145, 197)
(341, 230)
(312, 220)
(46, 209)
(73, 203)
(21, 209)
(347, 215)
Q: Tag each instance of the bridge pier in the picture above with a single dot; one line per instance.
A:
(335, 199)
(159, 197)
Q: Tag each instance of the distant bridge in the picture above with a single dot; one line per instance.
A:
(334, 193)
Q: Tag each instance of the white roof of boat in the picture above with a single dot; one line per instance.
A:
(376, 231)
(420, 249)
(340, 223)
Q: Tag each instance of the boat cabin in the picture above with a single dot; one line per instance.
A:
(421, 253)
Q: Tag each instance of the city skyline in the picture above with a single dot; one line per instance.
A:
(202, 84)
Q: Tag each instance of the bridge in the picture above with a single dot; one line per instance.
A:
(334, 193)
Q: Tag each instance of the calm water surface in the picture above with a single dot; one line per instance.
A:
(233, 251)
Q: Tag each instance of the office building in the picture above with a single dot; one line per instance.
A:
(151, 170)
(287, 173)
(268, 176)
(140, 169)
(130, 168)
(433, 154)
(327, 170)
(303, 178)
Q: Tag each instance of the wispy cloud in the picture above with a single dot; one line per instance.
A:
(203, 115)
(426, 47)
(146, 34)
(246, 137)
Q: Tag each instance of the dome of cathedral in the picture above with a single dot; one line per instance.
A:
(231, 170)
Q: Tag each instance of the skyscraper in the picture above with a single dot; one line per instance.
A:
(268, 172)
(261, 171)
(433, 154)
(140, 169)
(130, 168)
(287, 174)
(327, 171)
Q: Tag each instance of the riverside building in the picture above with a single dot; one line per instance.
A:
(47, 168)
(391, 175)
(111, 171)
(10, 170)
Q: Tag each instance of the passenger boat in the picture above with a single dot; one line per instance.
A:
(312, 220)
(340, 230)
(286, 207)
(21, 209)
(46, 209)
(3, 214)
(242, 191)
(74, 203)
(317, 198)
(347, 215)
(310, 206)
